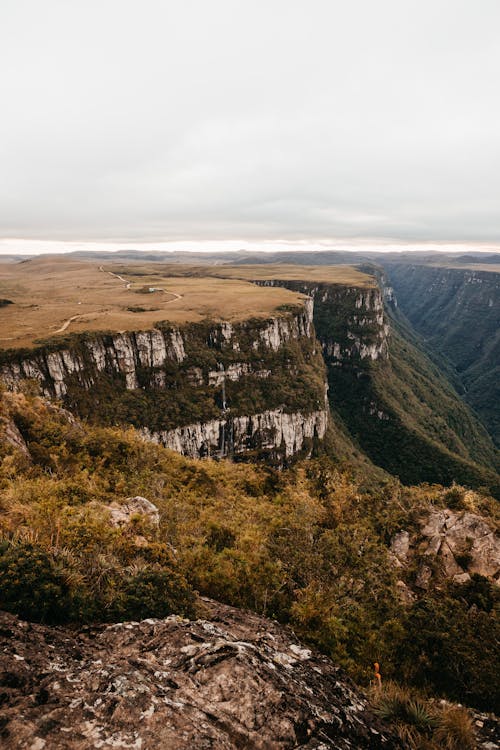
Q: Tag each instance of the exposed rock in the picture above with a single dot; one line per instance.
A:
(270, 430)
(235, 680)
(121, 515)
(462, 544)
(152, 360)
(11, 435)
(406, 595)
(400, 545)
(361, 331)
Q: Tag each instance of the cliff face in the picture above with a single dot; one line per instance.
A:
(457, 311)
(201, 389)
(349, 321)
(393, 401)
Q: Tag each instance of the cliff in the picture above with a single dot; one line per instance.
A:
(231, 680)
(349, 321)
(201, 389)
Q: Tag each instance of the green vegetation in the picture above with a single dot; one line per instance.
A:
(409, 420)
(456, 310)
(423, 724)
(305, 546)
(294, 381)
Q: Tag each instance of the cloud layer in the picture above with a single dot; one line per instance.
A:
(278, 120)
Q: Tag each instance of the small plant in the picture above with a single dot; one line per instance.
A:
(420, 724)
(397, 704)
(455, 729)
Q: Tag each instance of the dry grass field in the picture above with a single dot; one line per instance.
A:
(53, 296)
(344, 275)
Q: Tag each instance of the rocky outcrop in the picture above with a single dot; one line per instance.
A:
(276, 429)
(453, 544)
(10, 435)
(233, 680)
(122, 514)
(177, 384)
(349, 321)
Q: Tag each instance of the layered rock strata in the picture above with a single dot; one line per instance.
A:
(349, 321)
(276, 429)
(207, 389)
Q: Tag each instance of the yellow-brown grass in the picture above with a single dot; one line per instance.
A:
(343, 275)
(58, 296)
(53, 296)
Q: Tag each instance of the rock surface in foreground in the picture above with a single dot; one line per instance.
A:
(234, 681)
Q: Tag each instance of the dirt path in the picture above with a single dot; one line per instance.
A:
(176, 296)
(117, 276)
(128, 284)
(70, 320)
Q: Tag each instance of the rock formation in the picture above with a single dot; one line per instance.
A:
(121, 514)
(223, 374)
(456, 544)
(233, 680)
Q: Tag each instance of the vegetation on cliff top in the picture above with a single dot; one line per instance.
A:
(304, 546)
(55, 297)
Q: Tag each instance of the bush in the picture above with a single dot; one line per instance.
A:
(30, 585)
(155, 593)
(455, 730)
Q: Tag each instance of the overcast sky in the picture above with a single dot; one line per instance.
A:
(250, 120)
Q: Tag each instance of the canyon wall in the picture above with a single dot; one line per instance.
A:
(349, 321)
(218, 389)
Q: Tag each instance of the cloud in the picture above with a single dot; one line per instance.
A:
(281, 120)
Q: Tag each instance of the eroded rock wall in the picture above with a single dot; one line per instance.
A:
(349, 321)
(207, 389)
(233, 435)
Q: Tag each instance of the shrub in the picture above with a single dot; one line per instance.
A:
(455, 730)
(155, 593)
(30, 585)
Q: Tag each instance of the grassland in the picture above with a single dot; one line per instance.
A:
(52, 296)
(340, 274)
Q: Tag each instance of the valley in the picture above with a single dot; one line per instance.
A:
(354, 505)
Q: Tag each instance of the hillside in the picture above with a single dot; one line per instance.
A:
(396, 405)
(457, 311)
(99, 525)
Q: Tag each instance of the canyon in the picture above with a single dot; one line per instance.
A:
(333, 366)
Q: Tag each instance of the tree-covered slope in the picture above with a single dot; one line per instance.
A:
(409, 420)
(457, 311)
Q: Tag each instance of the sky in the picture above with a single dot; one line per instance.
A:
(249, 123)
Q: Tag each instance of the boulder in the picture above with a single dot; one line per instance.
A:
(463, 543)
(121, 514)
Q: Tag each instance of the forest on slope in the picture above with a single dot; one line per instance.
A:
(457, 312)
